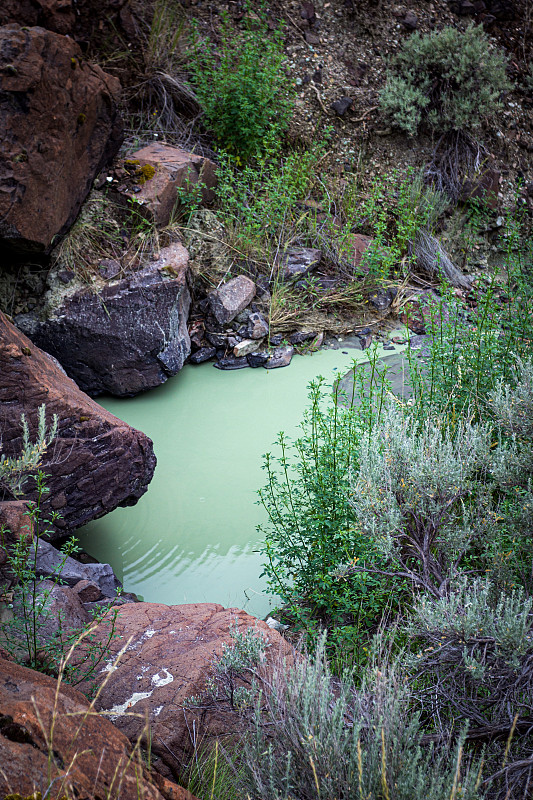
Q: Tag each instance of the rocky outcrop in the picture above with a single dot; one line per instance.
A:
(96, 463)
(128, 336)
(56, 15)
(51, 742)
(167, 660)
(59, 126)
(151, 177)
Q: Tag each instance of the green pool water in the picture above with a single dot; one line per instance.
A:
(193, 537)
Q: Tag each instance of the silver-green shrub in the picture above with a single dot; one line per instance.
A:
(16, 470)
(416, 493)
(318, 738)
(450, 79)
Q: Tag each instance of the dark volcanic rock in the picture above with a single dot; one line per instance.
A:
(281, 357)
(203, 354)
(128, 337)
(97, 461)
(59, 125)
(257, 359)
(232, 362)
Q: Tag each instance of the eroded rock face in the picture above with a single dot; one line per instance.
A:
(129, 336)
(168, 660)
(96, 463)
(89, 757)
(59, 125)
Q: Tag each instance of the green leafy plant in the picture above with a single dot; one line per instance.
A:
(313, 538)
(242, 87)
(450, 80)
(24, 634)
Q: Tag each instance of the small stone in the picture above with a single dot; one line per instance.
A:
(301, 336)
(216, 339)
(410, 21)
(203, 354)
(366, 341)
(244, 347)
(298, 262)
(342, 105)
(281, 357)
(231, 362)
(257, 359)
(317, 342)
(88, 592)
(276, 340)
(257, 326)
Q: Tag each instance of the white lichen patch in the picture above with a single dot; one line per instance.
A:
(158, 680)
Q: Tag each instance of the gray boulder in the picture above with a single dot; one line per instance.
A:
(231, 298)
(128, 336)
(48, 565)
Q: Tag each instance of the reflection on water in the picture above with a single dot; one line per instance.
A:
(192, 537)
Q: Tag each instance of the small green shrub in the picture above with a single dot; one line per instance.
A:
(313, 537)
(232, 679)
(242, 87)
(470, 660)
(24, 633)
(394, 210)
(450, 80)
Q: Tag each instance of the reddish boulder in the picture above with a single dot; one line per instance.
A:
(59, 126)
(96, 463)
(51, 742)
(354, 248)
(157, 171)
(168, 658)
(56, 15)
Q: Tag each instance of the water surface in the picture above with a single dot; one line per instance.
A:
(192, 537)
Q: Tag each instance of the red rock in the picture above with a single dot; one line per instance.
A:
(353, 250)
(59, 125)
(50, 739)
(166, 661)
(171, 169)
(56, 15)
(87, 591)
(97, 461)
